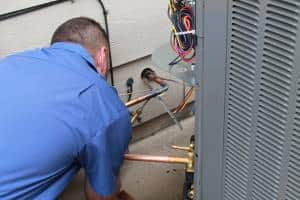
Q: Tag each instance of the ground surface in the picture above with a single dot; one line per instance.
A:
(149, 181)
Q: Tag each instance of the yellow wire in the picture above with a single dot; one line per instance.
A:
(173, 5)
(171, 10)
(173, 29)
(170, 7)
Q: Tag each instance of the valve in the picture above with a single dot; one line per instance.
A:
(190, 156)
(188, 161)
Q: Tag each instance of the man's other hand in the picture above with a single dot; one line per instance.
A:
(117, 195)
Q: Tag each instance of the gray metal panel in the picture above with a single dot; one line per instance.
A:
(241, 75)
(275, 101)
(199, 9)
(210, 97)
(261, 136)
(293, 183)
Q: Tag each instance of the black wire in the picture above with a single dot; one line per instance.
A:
(175, 61)
(141, 108)
(30, 9)
(129, 85)
(37, 7)
(187, 41)
(105, 13)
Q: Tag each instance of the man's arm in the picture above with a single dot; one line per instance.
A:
(102, 154)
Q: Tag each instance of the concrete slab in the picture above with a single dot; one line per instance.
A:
(149, 181)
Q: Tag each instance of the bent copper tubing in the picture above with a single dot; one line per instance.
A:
(159, 159)
(154, 93)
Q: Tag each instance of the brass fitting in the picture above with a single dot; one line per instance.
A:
(190, 156)
(188, 161)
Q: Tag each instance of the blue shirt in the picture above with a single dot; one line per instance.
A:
(58, 115)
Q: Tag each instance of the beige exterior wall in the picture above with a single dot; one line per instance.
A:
(137, 27)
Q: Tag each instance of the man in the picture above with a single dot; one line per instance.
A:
(58, 114)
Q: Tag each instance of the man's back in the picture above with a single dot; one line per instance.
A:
(52, 106)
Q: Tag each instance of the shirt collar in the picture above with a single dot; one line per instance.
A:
(76, 48)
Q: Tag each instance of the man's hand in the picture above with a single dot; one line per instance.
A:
(124, 196)
(117, 195)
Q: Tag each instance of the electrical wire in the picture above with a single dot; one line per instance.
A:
(30, 9)
(44, 5)
(182, 38)
(105, 13)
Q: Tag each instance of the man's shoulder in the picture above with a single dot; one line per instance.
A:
(30, 53)
(12, 58)
(53, 62)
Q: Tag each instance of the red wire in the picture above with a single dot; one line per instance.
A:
(185, 55)
(187, 22)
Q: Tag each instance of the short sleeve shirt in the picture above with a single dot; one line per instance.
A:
(57, 115)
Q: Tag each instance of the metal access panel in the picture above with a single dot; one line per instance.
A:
(262, 127)
(260, 138)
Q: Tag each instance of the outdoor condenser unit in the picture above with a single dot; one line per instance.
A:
(248, 100)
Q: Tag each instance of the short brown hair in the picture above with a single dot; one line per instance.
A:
(82, 30)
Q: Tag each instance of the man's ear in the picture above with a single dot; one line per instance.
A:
(101, 61)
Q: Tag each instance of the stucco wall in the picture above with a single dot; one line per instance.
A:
(137, 27)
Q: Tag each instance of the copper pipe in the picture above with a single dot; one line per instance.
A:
(159, 159)
(149, 75)
(155, 93)
(159, 81)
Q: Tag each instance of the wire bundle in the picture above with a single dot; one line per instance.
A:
(182, 38)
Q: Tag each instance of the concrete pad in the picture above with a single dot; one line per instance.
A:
(149, 181)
